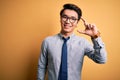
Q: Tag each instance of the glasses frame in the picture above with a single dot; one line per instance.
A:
(71, 19)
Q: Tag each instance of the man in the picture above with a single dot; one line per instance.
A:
(62, 54)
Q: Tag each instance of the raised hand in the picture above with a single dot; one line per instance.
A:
(90, 29)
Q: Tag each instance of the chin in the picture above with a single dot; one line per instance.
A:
(67, 31)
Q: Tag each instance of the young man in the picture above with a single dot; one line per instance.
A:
(62, 54)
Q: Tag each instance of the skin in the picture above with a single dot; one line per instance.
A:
(67, 27)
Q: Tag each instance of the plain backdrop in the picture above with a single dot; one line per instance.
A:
(25, 23)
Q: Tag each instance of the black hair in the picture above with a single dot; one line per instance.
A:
(72, 7)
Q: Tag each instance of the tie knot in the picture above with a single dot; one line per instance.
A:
(65, 39)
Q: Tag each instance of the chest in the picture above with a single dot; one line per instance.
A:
(75, 51)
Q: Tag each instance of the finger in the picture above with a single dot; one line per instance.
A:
(84, 21)
(95, 28)
(90, 26)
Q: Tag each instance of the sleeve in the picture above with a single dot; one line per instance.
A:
(42, 62)
(97, 52)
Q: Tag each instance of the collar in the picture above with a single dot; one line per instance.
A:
(61, 36)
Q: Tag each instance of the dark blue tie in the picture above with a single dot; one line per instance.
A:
(63, 73)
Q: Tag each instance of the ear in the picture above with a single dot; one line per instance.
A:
(77, 23)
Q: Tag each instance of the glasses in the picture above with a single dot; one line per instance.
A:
(71, 19)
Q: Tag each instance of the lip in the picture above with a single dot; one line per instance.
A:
(67, 26)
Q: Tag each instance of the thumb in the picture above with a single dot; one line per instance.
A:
(81, 31)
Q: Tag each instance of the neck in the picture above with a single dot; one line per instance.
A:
(65, 34)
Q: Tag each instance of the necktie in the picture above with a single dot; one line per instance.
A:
(63, 67)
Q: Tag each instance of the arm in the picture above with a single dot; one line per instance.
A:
(97, 53)
(42, 63)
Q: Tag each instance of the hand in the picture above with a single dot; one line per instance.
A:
(90, 29)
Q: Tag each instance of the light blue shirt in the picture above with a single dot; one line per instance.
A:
(78, 47)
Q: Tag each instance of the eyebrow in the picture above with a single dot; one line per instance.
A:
(68, 16)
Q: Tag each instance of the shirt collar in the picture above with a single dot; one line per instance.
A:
(61, 36)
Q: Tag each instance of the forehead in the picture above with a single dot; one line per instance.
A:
(70, 13)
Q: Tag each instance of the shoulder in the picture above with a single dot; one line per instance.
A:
(51, 38)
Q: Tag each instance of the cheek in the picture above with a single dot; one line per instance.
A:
(74, 25)
(61, 22)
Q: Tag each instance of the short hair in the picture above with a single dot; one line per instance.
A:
(72, 7)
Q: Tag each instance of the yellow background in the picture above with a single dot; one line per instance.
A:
(25, 23)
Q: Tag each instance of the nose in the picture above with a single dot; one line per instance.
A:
(68, 20)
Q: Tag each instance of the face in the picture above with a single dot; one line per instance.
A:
(69, 21)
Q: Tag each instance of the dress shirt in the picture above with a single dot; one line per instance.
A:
(78, 47)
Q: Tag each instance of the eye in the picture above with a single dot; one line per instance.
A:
(64, 16)
(73, 18)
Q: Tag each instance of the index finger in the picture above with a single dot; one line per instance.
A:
(83, 20)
